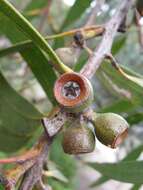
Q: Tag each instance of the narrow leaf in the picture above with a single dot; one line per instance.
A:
(130, 172)
(117, 78)
(19, 120)
(7, 9)
(118, 44)
(136, 80)
(118, 106)
(100, 181)
(133, 155)
(34, 57)
(136, 187)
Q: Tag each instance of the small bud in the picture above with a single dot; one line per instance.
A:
(73, 92)
(111, 129)
(78, 139)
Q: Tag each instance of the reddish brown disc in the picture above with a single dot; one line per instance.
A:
(80, 80)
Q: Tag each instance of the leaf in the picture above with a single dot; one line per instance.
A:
(54, 172)
(133, 155)
(118, 44)
(136, 187)
(135, 90)
(43, 72)
(35, 58)
(59, 176)
(121, 106)
(130, 172)
(118, 106)
(134, 118)
(100, 181)
(35, 5)
(19, 120)
(34, 8)
(25, 26)
(136, 80)
(75, 12)
(62, 160)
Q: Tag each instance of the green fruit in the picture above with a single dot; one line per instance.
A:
(111, 129)
(78, 139)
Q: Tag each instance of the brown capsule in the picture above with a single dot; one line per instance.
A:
(73, 92)
(78, 139)
(111, 129)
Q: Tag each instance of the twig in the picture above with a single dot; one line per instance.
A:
(22, 158)
(12, 176)
(89, 32)
(40, 185)
(33, 175)
(104, 48)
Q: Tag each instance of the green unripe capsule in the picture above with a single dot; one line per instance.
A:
(111, 129)
(78, 139)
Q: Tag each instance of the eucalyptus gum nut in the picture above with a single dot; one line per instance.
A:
(78, 140)
(68, 55)
(73, 92)
(110, 129)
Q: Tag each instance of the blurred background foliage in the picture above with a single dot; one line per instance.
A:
(28, 88)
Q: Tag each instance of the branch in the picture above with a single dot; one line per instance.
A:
(89, 32)
(31, 163)
(33, 175)
(104, 47)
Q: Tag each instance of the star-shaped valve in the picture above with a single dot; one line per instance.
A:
(71, 90)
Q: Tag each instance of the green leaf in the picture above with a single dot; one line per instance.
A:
(130, 172)
(34, 8)
(118, 44)
(133, 155)
(137, 80)
(25, 26)
(122, 82)
(100, 181)
(55, 172)
(75, 12)
(121, 106)
(18, 102)
(19, 120)
(36, 59)
(134, 118)
(35, 5)
(118, 106)
(38, 63)
(136, 187)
